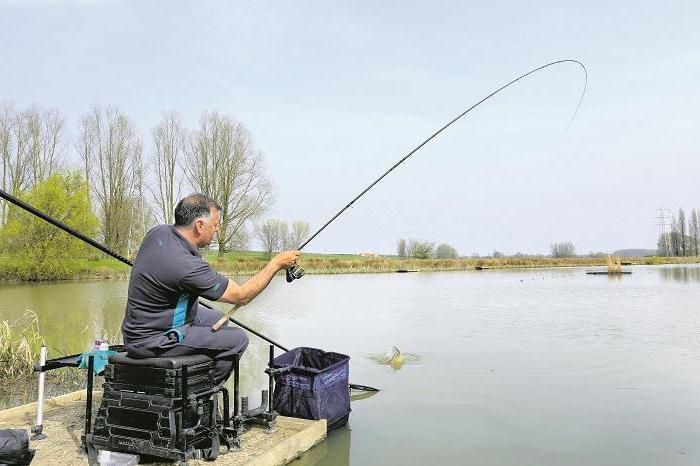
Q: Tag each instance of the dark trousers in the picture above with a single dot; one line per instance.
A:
(199, 338)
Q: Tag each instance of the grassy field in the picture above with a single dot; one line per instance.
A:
(245, 263)
(250, 262)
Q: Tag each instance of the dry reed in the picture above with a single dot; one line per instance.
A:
(20, 341)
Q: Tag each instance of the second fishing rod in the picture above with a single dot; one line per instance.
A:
(71, 231)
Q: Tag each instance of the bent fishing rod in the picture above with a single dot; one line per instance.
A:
(296, 272)
(57, 223)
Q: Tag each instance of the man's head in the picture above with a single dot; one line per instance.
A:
(197, 217)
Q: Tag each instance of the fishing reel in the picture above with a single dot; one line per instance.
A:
(294, 272)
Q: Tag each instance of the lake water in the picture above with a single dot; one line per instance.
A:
(518, 367)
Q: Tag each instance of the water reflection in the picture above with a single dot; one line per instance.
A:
(685, 274)
(334, 451)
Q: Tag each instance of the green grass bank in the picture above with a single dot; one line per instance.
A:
(250, 262)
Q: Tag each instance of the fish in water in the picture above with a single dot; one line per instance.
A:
(395, 358)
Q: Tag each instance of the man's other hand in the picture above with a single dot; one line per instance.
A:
(286, 259)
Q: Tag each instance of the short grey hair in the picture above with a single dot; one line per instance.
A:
(193, 207)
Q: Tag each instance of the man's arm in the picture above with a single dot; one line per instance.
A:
(243, 294)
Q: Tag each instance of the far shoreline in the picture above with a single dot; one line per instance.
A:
(248, 263)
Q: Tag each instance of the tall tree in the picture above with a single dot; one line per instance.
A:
(682, 233)
(223, 164)
(168, 146)
(7, 121)
(111, 151)
(141, 217)
(401, 248)
(45, 130)
(694, 233)
(675, 238)
(664, 245)
(15, 156)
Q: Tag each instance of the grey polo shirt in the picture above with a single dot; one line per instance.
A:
(168, 276)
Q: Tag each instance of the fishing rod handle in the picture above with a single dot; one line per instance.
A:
(224, 319)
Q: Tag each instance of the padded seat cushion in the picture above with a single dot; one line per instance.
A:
(168, 362)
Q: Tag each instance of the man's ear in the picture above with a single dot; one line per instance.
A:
(198, 226)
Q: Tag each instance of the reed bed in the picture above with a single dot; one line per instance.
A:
(614, 264)
(20, 343)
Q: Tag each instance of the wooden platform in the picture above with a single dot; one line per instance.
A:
(64, 419)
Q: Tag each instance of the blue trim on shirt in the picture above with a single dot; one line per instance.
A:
(180, 311)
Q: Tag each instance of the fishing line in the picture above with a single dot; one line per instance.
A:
(297, 272)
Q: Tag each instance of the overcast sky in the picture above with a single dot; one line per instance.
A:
(334, 93)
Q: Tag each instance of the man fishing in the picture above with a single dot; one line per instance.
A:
(163, 317)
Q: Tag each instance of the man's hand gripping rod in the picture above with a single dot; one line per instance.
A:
(293, 272)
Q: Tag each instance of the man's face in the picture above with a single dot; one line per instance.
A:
(207, 228)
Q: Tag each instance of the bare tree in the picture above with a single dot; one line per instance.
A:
(675, 237)
(565, 249)
(223, 164)
(272, 234)
(694, 233)
(241, 241)
(168, 146)
(445, 251)
(111, 152)
(7, 122)
(45, 130)
(297, 235)
(664, 245)
(420, 249)
(142, 217)
(682, 230)
(16, 162)
(401, 249)
(31, 146)
(85, 145)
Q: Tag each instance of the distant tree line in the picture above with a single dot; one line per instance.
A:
(683, 239)
(131, 180)
(276, 235)
(422, 249)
